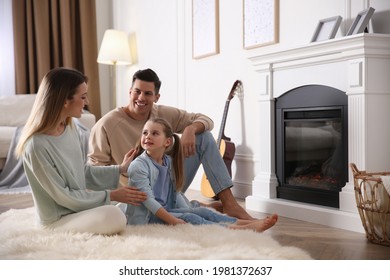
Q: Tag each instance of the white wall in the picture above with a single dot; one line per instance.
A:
(162, 32)
(104, 21)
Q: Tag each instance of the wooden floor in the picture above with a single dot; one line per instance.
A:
(322, 242)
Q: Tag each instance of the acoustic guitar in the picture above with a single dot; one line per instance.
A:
(227, 148)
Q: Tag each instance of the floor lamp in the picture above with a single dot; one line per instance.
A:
(114, 50)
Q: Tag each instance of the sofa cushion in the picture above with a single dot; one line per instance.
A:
(6, 135)
(87, 119)
(15, 109)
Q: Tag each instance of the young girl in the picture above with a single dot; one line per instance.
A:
(158, 171)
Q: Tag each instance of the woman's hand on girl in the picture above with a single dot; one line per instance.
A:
(129, 195)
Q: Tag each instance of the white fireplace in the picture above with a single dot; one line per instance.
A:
(358, 65)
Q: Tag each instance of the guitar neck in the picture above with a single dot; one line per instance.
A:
(223, 123)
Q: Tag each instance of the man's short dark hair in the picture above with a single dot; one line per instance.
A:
(148, 75)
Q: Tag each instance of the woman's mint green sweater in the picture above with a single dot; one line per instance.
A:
(60, 180)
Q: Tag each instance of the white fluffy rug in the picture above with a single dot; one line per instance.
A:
(20, 239)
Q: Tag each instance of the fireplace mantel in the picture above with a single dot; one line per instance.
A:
(343, 48)
(358, 65)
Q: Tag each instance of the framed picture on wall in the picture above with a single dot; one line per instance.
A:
(327, 29)
(261, 22)
(205, 28)
(361, 21)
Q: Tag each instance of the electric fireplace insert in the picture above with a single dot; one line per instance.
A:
(312, 144)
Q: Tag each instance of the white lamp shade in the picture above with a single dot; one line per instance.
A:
(115, 48)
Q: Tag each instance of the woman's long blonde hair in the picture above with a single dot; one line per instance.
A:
(175, 151)
(58, 86)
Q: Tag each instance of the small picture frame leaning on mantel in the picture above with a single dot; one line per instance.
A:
(327, 29)
(361, 21)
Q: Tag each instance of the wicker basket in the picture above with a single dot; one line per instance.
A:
(373, 203)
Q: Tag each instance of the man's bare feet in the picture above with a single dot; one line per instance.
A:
(217, 205)
(236, 211)
(231, 206)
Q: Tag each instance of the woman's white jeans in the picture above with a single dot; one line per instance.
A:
(106, 219)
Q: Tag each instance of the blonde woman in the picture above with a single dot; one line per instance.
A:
(69, 195)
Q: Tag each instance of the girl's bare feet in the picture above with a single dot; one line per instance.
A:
(267, 223)
(256, 225)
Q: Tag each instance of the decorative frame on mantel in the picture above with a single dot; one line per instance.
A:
(327, 29)
(261, 23)
(361, 21)
(205, 28)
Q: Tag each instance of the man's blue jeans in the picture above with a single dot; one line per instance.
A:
(207, 154)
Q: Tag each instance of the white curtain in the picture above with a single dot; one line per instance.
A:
(7, 68)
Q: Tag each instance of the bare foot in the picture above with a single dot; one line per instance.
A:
(217, 205)
(267, 223)
(258, 225)
(237, 211)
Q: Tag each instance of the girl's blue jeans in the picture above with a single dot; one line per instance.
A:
(198, 216)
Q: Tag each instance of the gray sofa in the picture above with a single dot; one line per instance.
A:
(14, 111)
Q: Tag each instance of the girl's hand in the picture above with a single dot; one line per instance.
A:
(168, 218)
(128, 158)
(179, 221)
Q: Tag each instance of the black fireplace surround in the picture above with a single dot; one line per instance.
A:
(311, 125)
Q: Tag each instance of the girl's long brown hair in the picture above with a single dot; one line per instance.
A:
(176, 152)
